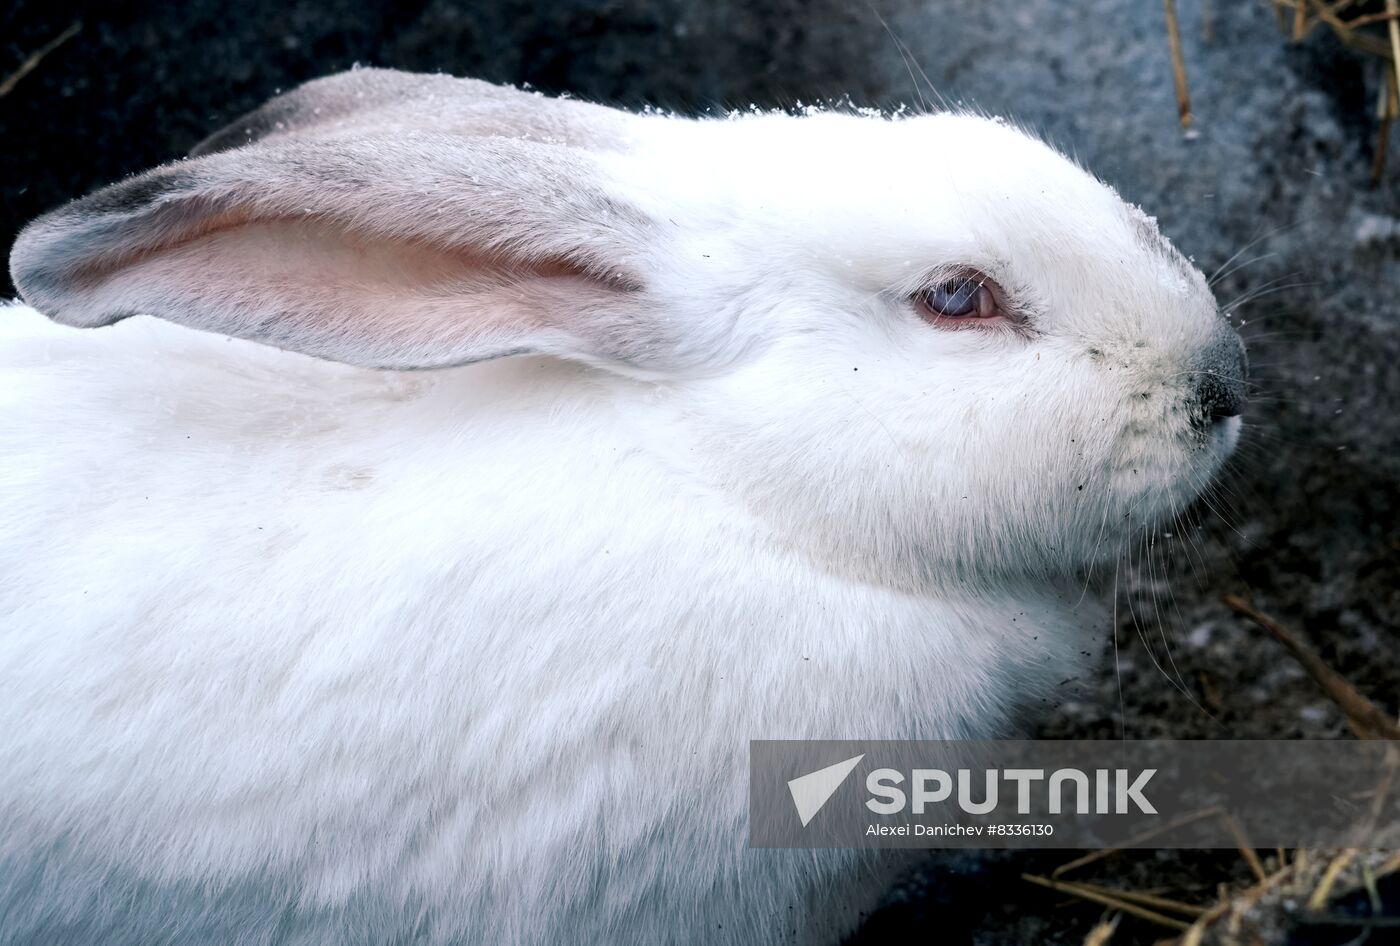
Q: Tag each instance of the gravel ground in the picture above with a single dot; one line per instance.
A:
(1306, 521)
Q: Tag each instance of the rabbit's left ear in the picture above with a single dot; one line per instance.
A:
(414, 249)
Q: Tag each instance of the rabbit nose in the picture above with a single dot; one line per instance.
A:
(1220, 384)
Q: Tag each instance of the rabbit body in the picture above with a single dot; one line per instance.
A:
(292, 678)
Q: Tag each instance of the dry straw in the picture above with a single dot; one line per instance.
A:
(1368, 26)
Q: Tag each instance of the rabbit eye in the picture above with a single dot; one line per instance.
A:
(967, 297)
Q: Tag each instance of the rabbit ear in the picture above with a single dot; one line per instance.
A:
(385, 101)
(407, 250)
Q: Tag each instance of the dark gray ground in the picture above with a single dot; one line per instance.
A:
(1307, 521)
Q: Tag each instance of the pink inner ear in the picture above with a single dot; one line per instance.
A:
(313, 287)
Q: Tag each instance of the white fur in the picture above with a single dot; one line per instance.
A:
(295, 652)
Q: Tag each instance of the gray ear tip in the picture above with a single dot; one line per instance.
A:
(30, 267)
(56, 257)
(44, 277)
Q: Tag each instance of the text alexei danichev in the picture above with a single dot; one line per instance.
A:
(924, 830)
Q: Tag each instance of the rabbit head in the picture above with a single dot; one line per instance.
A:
(923, 349)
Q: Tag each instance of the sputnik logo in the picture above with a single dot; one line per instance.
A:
(813, 790)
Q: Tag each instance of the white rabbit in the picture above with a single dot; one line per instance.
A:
(809, 418)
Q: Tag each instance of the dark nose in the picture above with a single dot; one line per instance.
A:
(1220, 385)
